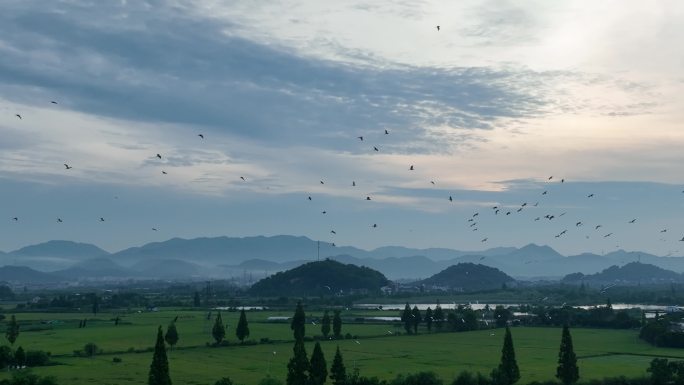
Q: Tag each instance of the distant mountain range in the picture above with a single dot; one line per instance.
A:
(225, 257)
(469, 276)
(633, 273)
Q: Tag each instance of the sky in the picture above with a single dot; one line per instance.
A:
(504, 96)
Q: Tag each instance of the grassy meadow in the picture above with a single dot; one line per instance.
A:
(376, 352)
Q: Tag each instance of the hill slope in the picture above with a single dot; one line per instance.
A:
(316, 278)
(633, 273)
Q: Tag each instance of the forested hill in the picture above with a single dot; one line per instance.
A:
(320, 278)
(469, 276)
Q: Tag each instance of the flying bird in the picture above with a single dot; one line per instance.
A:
(360, 138)
(309, 198)
(545, 192)
(154, 229)
(164, 172)
(102, 219)
(18, 116)
(59, 220)
(159, 156)
(438, 28)
(15, 219)
(67, 166)
(562, 180)
(508, 213)
(681, 240)
(243, 178)
(375, 148)
(551, 177)
(322, 182)
(536, 219)
(484, 240)
(590, 196)
(597, 227)
(375, 225)
(476, 214)
(451, 199)
(324, 212)
(368, 198)
(632, 221)
(353, 184)
(663, 231)
(53, 102)
(201, 135)
(411, 168)
(432, 181)
(607, 235)
(578, 224)
(332, 232)
(386, 132)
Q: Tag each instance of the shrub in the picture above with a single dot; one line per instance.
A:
(90, 349)
(116, 360)
(37, 358)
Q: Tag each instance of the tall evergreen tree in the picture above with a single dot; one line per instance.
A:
(242, 329)
(416, 318)
(298, 367)
(337, 325)
(338, 373)
(407, 318)
(196, 300)
(171, 336)
(96, 304)
(318, 369)
(12, 332)
(439, 316)
(298, 321)
(507, 373)
(428, 319)
(567, 370)
(325, 324)
(159, 369)
(219, 330)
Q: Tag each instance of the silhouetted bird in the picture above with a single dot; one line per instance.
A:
(451, 199)
(360, 138)
(159, 156)
(333, 244)
(375, 148)
(663, 231)
(632, 221)
(67, 166)
(18, 116)
(597, 227)
(102, 219)
(508, 213)
(53, 102)
(368, 198)
(681, 240)
(163, 172)
(243, 178)
(590, 195)
(536, 219)
(332, 232)
(59, 220)
(496, 212)
(524, 204)
(578, 224)
(322, 182)
(201, 135)
(520, 209)
(353, 183)
(476, 214)
(15, 219)
(386, 132)
(484, 240)
(562, 180)
(411, 168)
(309, 198)
(375, 225)
(607, 235)
(432, 181)
(551, 177)
(545, 192)
(154, 229)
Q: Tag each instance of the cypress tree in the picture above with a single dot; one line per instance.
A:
(171, 336)
(12, 330)
(567, 370)
(439, 316)
(218, 331)
(298, 321)
(318, 369)
(298, 367)
(416, 318)
(407, 318)
(159, 369)
(325, 324)
(428, 319)
(338, 373)
(242, 329)
(337, 325)
(507, 373)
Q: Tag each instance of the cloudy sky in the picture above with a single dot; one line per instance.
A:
(505, 95)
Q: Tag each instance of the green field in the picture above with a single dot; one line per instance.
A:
(377, 353)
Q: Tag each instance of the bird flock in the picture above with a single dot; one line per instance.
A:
(474, 222)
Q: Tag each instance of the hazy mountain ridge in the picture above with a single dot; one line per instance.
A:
(469, 276)
(633, 273)
(227, 257)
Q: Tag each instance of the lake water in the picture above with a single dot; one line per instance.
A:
(481, 306)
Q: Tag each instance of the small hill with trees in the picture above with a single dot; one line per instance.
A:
(633, 273)
(469, 276)
(320, 278)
